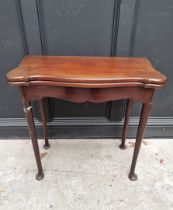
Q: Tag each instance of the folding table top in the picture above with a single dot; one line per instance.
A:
(83, 71)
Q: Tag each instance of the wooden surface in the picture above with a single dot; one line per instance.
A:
(82, 79)
(86, 72)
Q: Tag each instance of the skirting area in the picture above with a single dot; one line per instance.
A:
(63, 128)
(86, 175)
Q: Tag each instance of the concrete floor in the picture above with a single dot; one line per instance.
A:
(86, 175)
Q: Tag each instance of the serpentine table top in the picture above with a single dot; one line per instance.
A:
(92, 72)
(81, 79)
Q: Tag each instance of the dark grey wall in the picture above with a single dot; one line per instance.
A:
(85, 27)
(154, 39)
(78, 27)
(12, 49)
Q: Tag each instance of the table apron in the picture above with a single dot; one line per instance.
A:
(94, 95)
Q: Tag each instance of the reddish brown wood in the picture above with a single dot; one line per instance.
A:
(143, 120)
(95, 95)
(86, 72)
(126, 122)
(81, 79)
(32, 131)
(44, 122)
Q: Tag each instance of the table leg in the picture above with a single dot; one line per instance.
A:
(125, 128)
(143, 120)
(33, 135)
(44, 122)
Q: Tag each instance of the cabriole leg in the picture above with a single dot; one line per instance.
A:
(143, 120)
(44, 122)
(125, 128)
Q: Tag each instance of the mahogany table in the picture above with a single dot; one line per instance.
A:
(81, 79)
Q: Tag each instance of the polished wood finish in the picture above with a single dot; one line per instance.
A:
(44, 122)
(95, 95)
(143, 120)
(86, 79)
(126, 122)
(32, 131)
(86, 72)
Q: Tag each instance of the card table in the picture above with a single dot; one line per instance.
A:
(86, 79)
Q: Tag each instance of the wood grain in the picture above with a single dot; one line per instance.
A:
(86, 72)
(94, 95)
(81, 79)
